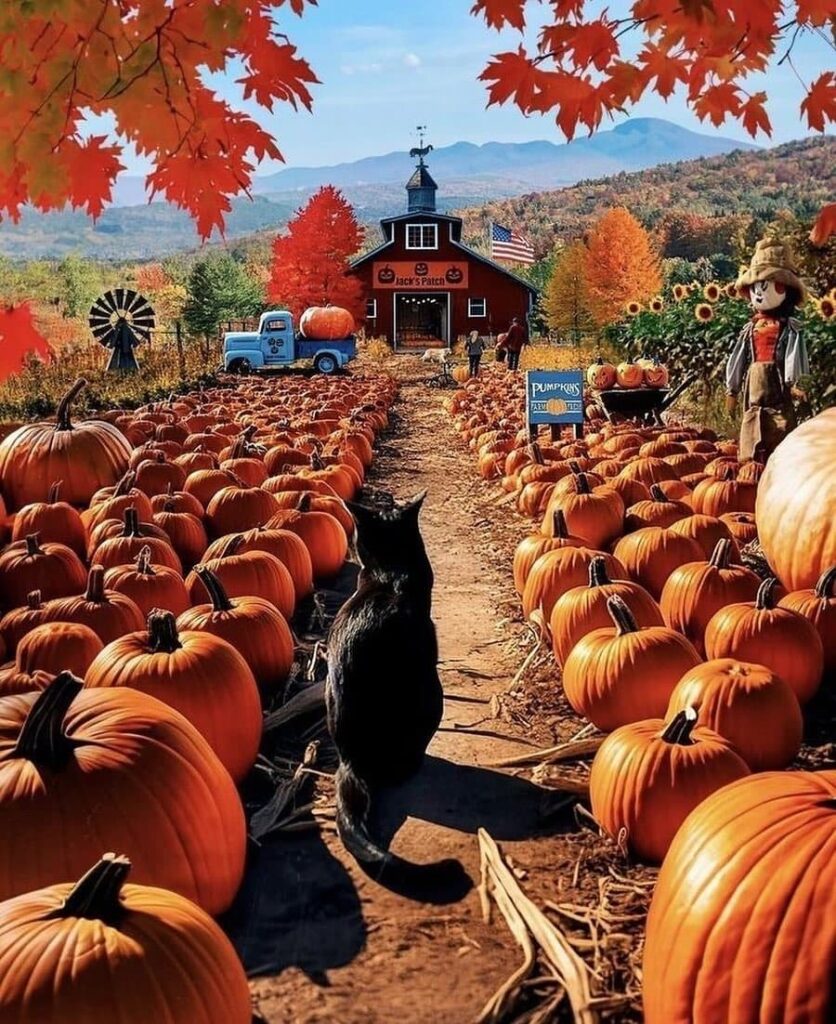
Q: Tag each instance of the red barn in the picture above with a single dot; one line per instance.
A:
(425, 289)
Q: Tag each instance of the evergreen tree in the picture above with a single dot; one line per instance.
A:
(218, 290)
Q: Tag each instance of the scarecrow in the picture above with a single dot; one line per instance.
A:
(769, 356)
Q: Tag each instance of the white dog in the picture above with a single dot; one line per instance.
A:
(437, 355)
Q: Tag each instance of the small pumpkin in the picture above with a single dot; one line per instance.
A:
(536, 544)
(626, 674)
(28, 565)
(249, 573)
(149, 586)
(648, 776)
(52, 520)
(601, 375)
(741, 526)
(321, 533)
(15, 624)
(658, 510)
(629, 375)
(559, 570)
(595, 516)
(289, 548)
(760, 632)
(108, 613)
(756, 711)
(706, 531)
(650, 555)
(56, 647)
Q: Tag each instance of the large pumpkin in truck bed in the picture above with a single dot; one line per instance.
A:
(326, 323)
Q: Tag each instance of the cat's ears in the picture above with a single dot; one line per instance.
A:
(414, 504)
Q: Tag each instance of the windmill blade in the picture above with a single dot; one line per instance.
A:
(119, 298)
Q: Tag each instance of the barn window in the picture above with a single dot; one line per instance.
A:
(477, 307)
(371, 309)
(422, 236)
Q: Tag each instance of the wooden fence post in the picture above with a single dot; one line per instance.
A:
(181, 355)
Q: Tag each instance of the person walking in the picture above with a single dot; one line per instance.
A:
(514, 341)
(474, 346)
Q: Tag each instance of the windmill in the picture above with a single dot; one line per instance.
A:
(120, 319)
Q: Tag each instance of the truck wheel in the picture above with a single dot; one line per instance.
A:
(240, 366)
(325, 364)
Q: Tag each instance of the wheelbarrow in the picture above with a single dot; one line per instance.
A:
(645, 404)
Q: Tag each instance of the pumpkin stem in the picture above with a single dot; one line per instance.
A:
(42, 740)
(95, 592)
(169, 505)
(143, 562)
(34, 600)
(131, 522)
(721, 554)
(303, 502)
(657, 494)
(679, 729)
(95, 896)
(33, 544)
(537, 454)
(826, 583)
(62, 413)
(729, 473)
(581, 484)
(162, 632)
(125, 484)
(559, 527)
(217, 594)
(598, 575)
(316, 460)
(232, 545)
(766, 594)
(54, 491)
(575, 466)
(621, 615)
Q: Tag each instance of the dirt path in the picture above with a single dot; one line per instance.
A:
(367, 955)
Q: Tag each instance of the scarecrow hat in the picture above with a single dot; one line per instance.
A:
(772, 261)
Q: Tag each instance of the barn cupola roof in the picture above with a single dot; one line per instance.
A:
(421, 187)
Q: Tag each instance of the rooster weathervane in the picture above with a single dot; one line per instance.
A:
(421, 150)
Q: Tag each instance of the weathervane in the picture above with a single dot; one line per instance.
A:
(421, 150)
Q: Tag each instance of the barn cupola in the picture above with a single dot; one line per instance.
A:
(421, 188)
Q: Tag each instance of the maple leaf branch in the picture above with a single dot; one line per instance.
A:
(823, 35)
(786, 56)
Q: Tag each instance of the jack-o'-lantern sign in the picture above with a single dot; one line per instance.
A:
(386, 275)
(453, 275)
(421, 270)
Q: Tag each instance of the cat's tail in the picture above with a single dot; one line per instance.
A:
(443, 881)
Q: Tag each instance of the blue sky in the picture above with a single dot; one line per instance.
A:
(389, 65)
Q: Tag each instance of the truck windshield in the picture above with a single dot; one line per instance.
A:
(276, 325)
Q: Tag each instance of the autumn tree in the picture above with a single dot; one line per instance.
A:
(144, 65)
(78, 284)
(166, 296)
(311, 260)
(584, 66)
(567, 294)
(621, 265)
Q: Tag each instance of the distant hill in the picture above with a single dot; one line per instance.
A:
(798, 176)
(467, 175)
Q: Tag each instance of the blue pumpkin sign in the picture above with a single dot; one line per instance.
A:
(553, 396)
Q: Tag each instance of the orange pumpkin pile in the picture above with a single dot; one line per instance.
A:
(150, 562)
(697, 668)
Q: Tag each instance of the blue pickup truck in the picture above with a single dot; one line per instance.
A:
(276, 343)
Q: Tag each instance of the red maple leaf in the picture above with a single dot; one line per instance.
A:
(820, 102)
(19, 338)
(717, 102)
(499, 13)
(754, 115)
(825, 225)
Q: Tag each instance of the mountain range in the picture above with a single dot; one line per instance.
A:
(467, 175)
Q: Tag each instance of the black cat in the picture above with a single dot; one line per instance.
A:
(383, 694)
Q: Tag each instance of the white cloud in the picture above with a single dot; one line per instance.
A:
(412, 60)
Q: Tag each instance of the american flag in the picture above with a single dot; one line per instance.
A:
(508, 244)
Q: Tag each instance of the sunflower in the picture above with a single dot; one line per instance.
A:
(731, 291)
(712, 291)
(634, 308)
(679, 292)
(827, 308)
(657, 304)
(704, 312)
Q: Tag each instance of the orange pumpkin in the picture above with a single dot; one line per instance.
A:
(706, 531)
(82, 769)
(560, 570)
(648, 776)
(818, 605)
(750, 705)
(652, 554)
(594, 516)
(694, 592)
(580, 610)
(149, 586)
(658, 510)
(108, 613)
(536, 544)
(28, 565)
(779, 638)
(52, 520)
(629, 375)
(796, 499)
(601, 375)
(197, 673)
(290, 550)
(626, 674)
(56, 647)
(747, 888)
(326, 323)
(249, 573)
